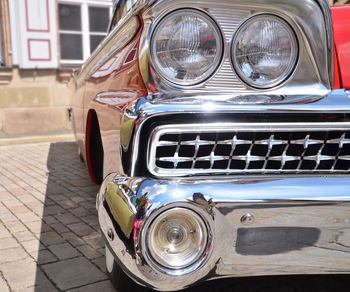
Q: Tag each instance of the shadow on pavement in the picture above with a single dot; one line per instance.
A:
(72, 252)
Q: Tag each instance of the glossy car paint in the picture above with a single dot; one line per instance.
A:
(341, 28)
(104, 95)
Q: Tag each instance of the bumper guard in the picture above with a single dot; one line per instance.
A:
(259, 226)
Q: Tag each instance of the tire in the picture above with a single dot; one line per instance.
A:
(119, 279)
(97, 152)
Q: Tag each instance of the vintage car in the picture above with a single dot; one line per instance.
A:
(220, 134)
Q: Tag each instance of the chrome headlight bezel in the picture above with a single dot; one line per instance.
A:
(294, 54)
(215, 64)
(197, 262)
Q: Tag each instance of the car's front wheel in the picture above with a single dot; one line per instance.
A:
(119, 279)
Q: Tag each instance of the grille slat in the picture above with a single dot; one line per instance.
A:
(228, 20)
(251, 151)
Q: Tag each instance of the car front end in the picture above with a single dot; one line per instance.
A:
(237, 161)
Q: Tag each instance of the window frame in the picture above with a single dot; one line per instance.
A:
(85, 26)
(2, 59)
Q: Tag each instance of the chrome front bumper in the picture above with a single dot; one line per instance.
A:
(259, 226)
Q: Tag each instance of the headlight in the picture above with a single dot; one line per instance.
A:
(264, 51)
(186, 47)
(177, 238)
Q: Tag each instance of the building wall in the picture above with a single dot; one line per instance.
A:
(35, 92)
(34, 101)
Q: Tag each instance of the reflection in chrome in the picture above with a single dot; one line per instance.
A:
(109, 47)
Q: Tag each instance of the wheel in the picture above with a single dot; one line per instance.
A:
(119, 279)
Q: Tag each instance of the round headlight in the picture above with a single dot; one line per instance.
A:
(186, 47)
(264, 51)
(177, 238)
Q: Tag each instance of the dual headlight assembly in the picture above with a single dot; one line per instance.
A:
(187, 47)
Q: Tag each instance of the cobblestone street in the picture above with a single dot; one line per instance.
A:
(49, 235)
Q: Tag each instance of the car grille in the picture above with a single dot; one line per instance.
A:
(176, 150)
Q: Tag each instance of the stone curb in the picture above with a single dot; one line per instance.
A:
(37, 139)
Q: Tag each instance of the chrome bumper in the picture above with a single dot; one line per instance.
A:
(259, 226)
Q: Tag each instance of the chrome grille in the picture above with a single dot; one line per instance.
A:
(250, 148)
(229, 20)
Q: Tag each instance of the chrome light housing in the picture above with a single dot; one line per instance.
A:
(264, 51)
(186, 47)
(177, 238)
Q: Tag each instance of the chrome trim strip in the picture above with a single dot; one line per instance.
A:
(252, 127)
(337, 101)
(159, 131)
(287, 206)
(326, 10)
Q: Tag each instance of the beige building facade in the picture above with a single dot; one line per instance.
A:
(42, 41)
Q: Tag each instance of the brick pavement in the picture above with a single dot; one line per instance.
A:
(49, 237)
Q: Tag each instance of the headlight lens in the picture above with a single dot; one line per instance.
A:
(264, 51)
(177, 238)
(186, 47)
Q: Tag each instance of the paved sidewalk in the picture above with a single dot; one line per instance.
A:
(49, 238)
